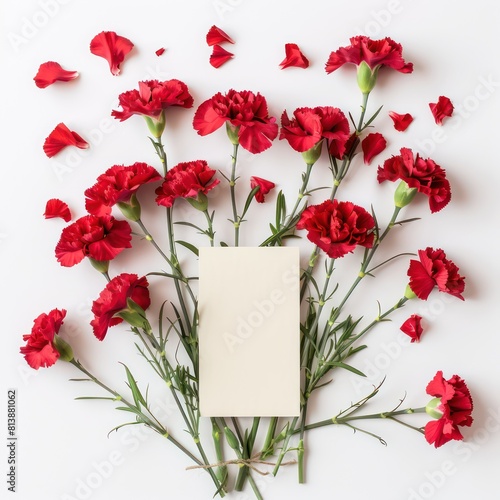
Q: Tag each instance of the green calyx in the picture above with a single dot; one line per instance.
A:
(312, 155)
(404, 194)
(432, 408)
(367, 78)
(63, 348)
(156, 125)
(232, 133)
(130, 209)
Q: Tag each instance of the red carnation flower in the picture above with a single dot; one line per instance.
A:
(375, 53)
(401, 122)
(113, 300)
(413, 327)
(309, 126)
(152, 98)
(372, 145)
(216, 36)
(186, 180)
(117, 185)
(441, 109)
(337, 227)
(424, 175)
(57, 208)
(51, 72)
(220, 56)
(434, 270)
(452, 406)
(61, 137)
(40, 349)
(294, 57)
(264, 187)
(245, 113)
(369, 56)
(111, 47)
(100, 238)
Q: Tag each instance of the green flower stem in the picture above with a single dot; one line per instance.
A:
(248, 451)
(210, 231)
(390, 415)
(364, 106)
(148, 237)
(148, 420)
(222, 473)
(290, 431)
(232, 185)
(268, 446)
(165, 371)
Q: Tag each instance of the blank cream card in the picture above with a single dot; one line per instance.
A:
(249, 331)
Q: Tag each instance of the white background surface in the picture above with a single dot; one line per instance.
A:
(453, 45)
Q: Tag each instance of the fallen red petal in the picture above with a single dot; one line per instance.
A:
(57, 208)
(401, 122)
(215, 36)
(219, 56)
(160, 52)
(111, 47)
(372, 145)
(441, 109)
(294, 57)
(61, 137)
(50, 72)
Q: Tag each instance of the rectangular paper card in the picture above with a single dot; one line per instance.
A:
(249, 331)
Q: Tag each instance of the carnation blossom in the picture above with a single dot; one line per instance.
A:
(111, 47)
(186, 180)
(40, 349)
(220, 56)
(452, 407)
(61, 137)
(99, 238)
(433, 269)
(337, 227)
(117, 185)
(294, 57)
(152, 98)
(264, 185)
(441, 109)
(114, 299)
(57, 208)
(372, 145)
(246, 116)
(309, 126)
(426, 176)
(51, 72)
(401, 122)
(369, 56)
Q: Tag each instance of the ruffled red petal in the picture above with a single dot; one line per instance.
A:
(61, 137)
(57, 208)
(219, 56)
(372, 145)
(50, 72)
(401, 122)
(294, 57)
(160, 51)
(111, 47)
(441, 109)
(413, 327)
(264, 185)
(215, 36)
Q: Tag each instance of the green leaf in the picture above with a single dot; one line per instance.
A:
(136, 393)
(345, 366)
(189, 246)
(190, 225)
(373, 117)
(250, 198)
(223, 244)
(95, 397)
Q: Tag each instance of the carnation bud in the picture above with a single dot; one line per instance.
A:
(200, 202)
(311, 155)
(367, 78)
(101, 265)
(131, 209)
(432, 408)
(232, 440)
(156, 125)
(232, 133)
(404, 194)
(63, 348)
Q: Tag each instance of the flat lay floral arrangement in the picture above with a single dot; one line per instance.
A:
(332, 339)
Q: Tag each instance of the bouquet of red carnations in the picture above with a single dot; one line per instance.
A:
(331, 339)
